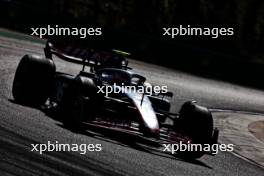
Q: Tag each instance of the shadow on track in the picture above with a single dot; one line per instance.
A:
(16, 153)
(116, 137)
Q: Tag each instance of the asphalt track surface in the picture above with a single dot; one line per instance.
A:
(21, 126)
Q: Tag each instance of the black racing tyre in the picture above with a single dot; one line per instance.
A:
(197, 122)
(33, 80)
(79, 102)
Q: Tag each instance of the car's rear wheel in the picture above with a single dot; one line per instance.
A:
(33, 80)
(79, 102)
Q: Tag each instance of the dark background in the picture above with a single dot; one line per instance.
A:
(136, 26)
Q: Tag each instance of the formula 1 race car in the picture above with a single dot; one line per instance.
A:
(86, 99)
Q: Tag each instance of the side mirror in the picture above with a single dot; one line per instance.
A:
(167, 94)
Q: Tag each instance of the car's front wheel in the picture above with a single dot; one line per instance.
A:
(196, 122)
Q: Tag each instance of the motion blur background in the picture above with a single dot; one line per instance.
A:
(136, 26)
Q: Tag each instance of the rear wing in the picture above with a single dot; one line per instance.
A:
(96, 59)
